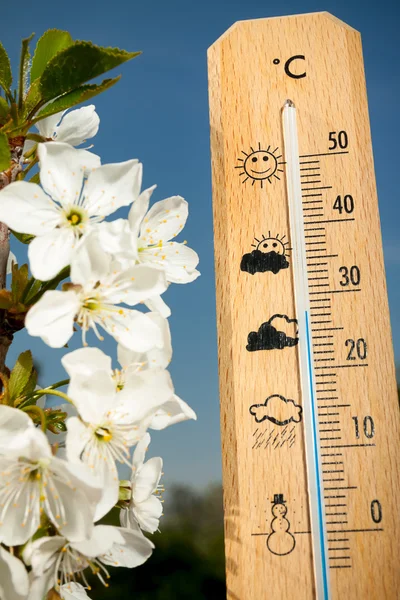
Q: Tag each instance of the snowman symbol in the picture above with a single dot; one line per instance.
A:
(280, 541)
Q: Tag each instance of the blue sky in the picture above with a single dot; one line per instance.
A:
(159, 114)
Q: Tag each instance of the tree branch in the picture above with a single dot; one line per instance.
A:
(7, 177)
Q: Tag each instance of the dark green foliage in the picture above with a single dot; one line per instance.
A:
(76, 65)
(81, 94)
(51, 42)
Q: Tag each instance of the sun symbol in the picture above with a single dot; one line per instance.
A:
(272, 244)
(260, 164)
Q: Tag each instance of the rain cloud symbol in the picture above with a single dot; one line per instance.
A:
(278, 410)
(277, 333)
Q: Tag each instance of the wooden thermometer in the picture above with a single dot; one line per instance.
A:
(309, 408)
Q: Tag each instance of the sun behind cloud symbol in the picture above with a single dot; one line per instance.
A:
(260, 165)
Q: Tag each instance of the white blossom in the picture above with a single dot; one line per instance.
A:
(99, 287)
(73, 127)
(110, 421)
(69, 205)
(145, 507)
(32, 480)
(58, 562)
(148, 237)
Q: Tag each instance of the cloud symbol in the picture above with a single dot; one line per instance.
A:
(278, 410)
(277, 333)
(260, 262)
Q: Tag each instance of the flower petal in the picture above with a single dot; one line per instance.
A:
(86, 361)
(93, 396)
(14, 582)
(62, 170)
(135, 285)
(101, 541)
(50, 253)
(78, 125)
(139, 454)
(172, 412)
(108, 475)
(147, 514)
(13, 426)
(144, 393)
(47, 127)
(164, 221)
(147, 479)
(178, 261)
(90, 263)
(25, 208)
(157, 304)
(40, 586)
(78, 435)
(41, 554)
(138, 211)
(115, 239)
(111, 186)
(154, 357)
(132, 552)
(73, 488)
(73, 591)
(133, 329)
(52, 317)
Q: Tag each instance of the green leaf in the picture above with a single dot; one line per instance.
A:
(19, 282)
(51, 42)
(5, 69)
(4, 110)
(23, 69)
(31, 385)
(32, 98)
(76, 65)
(20, 375)
(25, 238)
(31, 292)
(81, 94)
(5, 154)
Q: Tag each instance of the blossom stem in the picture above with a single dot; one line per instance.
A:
(53, 392)
(39, 412)
(23, 173)
(58, 384)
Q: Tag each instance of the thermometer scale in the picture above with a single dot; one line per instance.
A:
(309, 408)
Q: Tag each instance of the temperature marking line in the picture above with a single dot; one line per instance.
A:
(323, 154)
(329, 221)
(356, 530)
(351, 445)
(323, 187)
(314, 475)
(348, 487)
(342, 366)
(310, 168)
(324, 256)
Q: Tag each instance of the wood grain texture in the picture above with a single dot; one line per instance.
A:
(247, 92)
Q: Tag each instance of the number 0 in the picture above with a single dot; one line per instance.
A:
(376, 511)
